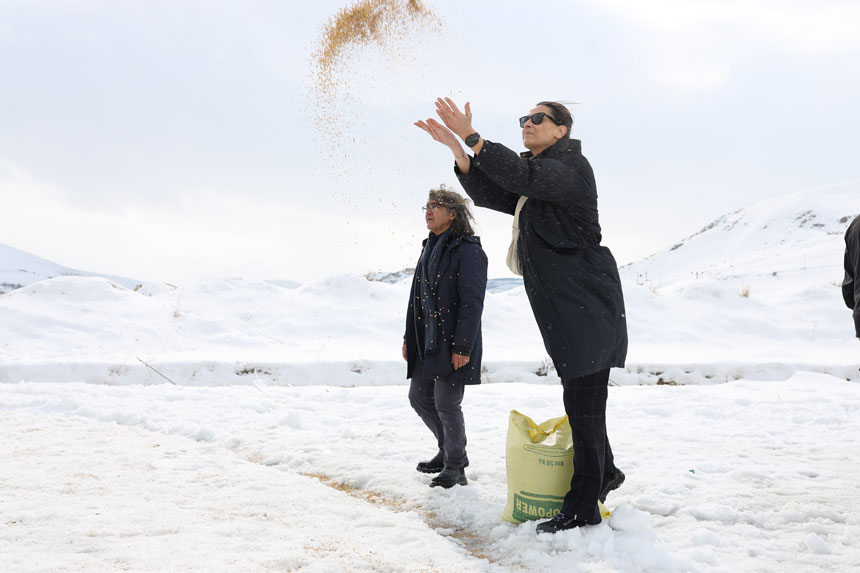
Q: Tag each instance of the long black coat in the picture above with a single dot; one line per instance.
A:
(572, 282)
(459, 290)
(851, 284)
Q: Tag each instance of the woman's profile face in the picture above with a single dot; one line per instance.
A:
(536, 138)
(438, 217)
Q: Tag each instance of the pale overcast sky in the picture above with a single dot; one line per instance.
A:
(177, 140)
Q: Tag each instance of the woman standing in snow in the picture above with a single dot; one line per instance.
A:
(442, 344)
(571, 280)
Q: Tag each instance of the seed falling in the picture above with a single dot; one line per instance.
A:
(380, 23)
(351, 38)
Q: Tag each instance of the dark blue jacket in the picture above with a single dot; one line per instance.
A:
(461, 283)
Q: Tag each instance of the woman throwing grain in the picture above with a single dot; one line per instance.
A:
(442, 343)
(571, 280)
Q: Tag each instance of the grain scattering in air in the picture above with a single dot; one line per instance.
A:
(368, 23)
(346, 60)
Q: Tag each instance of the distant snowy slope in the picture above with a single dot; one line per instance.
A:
(18, 268)
(800, 232)
(757, 291)
(760, 283)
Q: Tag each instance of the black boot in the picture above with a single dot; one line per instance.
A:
(561, 522)
(450, 477)
(433, 466)
(611, 481)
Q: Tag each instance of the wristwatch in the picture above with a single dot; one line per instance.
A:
(472, 140)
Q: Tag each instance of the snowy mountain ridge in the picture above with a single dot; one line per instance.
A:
(787, 233)
(19, 268)
(796, 232)
(754, 294)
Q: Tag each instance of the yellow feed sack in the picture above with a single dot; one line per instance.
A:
(540, 465)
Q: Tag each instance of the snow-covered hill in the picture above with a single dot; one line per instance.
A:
(18, 268)
(756, 293)
(794, 235)
(759, 284)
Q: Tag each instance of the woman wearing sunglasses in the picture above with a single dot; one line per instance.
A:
(442, 344)
(571, 280)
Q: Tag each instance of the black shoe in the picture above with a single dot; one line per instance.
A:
(450, 477)
(561, 522)
(611, 481)
(433, 466)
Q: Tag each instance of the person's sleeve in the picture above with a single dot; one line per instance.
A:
(851, 284)
(485, 193)
(848, 281)
(539, 178)
(471, 287)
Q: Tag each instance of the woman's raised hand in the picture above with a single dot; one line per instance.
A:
(454, 119)
(440, 133)
(447, 136)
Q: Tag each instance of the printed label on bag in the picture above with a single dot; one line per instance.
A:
(548, 451)
(529, 506)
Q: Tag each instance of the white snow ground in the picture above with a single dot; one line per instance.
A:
(740, 476)
(287, 441)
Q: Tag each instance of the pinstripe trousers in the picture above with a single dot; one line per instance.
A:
(585, 406)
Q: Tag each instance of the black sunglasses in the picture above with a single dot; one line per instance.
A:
(537, 119)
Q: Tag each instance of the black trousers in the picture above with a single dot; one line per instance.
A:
(585, 406)
(437, 402)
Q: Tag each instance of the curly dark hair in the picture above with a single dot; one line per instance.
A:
(461, 226)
